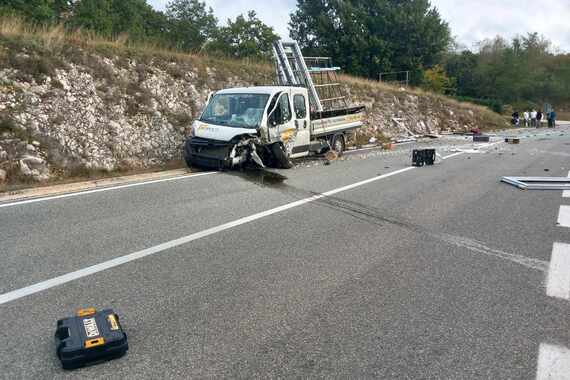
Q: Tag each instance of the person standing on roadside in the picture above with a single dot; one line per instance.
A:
(516, 119)
(538, 118)
(533, 115)
(552, 119)
(526, 116)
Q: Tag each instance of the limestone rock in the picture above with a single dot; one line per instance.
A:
(24, 169)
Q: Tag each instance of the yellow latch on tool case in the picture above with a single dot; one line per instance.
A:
(86, 312)
(114, 325)
(94, 343)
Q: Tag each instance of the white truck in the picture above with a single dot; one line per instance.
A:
(269, 126)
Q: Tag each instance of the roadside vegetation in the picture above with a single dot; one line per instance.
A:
(383, 37)
(50, 47)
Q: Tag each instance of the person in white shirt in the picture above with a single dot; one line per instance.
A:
(526, 118)
(533, 115)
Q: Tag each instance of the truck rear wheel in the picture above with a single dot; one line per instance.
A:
(338, 144)
(280, 156)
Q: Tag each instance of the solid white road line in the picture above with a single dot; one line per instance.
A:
(44, 285)
(564, 216)
(566, 193)
(79, 193)
(553, 363)
(558, 282)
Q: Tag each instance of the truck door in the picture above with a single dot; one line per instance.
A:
(282, 122)
(302, 123)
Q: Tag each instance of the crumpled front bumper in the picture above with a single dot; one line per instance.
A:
(210, 154)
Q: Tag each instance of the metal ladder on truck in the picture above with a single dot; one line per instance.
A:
(320, 78)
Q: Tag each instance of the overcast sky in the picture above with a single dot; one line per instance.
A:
(470, 20)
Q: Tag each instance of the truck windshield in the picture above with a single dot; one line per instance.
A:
(236, 110)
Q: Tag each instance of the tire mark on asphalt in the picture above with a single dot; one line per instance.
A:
(369, 214)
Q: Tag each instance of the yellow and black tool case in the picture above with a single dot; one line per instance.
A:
(89, 337)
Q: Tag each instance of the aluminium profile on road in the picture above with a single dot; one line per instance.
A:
(538, 183)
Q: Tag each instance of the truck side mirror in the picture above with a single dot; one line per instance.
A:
(275, 117)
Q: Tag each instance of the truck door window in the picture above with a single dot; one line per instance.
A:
(285, 108)
(300, 106)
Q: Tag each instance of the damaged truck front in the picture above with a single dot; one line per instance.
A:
(264, 126)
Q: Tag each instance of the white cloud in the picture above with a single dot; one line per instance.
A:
(473, 21)
(273, 13)
(470, 20)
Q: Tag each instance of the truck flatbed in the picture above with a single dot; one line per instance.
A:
(334, 121)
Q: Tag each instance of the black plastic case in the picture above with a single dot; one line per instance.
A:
(421, 157)
(89, 337)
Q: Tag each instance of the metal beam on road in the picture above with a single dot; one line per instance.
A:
(538, 183)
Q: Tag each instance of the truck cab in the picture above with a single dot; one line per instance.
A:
(259, 124)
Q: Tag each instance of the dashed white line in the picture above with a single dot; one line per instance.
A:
(558, 282)
(80, 193)
(564, 216)
(553, 363)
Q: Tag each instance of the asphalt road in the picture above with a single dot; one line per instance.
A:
(358, 269)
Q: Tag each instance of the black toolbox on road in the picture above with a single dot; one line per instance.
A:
(89, 337)
(421, 157)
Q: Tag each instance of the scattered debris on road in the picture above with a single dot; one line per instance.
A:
(480, 138)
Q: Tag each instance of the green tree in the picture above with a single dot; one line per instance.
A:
(522, 72)
(93, 15)
(190, 24)
(36, 11)
(371, 36)
(461, 67)
(436, 80)
(136, 18)
(114, 17)
(244, 38)
(61, 9)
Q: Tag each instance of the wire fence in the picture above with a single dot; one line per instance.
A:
(401, 78)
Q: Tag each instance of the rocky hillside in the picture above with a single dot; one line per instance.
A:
(71, 106)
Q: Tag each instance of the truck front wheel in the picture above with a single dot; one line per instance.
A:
(280, 156)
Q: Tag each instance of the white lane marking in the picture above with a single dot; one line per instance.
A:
(44, 285)
(69, 195)
(566, 193)
(558, 282)
(453, 155)
(564, 216)
(553, 363)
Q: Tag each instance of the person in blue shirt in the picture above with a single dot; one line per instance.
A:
(552, 119)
